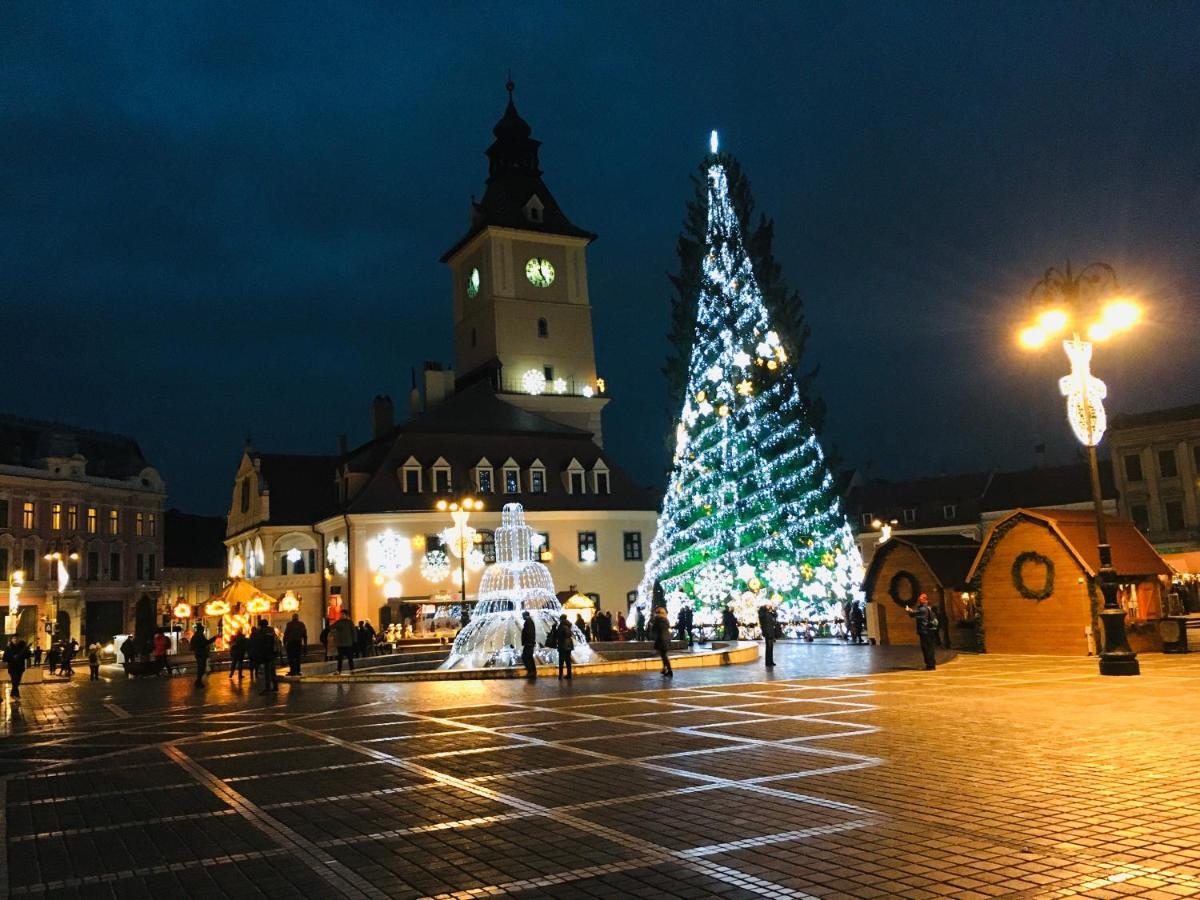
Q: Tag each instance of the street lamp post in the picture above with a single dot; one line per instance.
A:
(461, 535)
(1065, 301)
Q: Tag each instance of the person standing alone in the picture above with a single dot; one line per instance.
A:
(564, 641)
(295, 636)
(661, 631)
(927, 627)
(201, 645)
(769, 624)
(344, 637)
(16, 657)
(528, 643)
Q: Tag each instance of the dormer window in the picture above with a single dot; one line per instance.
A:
(576, 482)
(512, 477)
(410, 476)
(483, 477)
(441, 476)
(537, 477)
(600, 478)
(535, 209)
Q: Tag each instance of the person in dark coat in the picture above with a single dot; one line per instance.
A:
(264, 642)
(37, 655)
(729, 624)
(94, 662)
(237, 654)
(857, 622)
(528, 643)
(687, 617)
(769, 624)
(201, 645)
(295, 636)
(660, 630)
(70, 651)
(16, 657)
(343, 636)
(927, 628)
(563, 640)
(640, 624)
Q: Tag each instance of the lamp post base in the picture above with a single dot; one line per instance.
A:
(1116, 658)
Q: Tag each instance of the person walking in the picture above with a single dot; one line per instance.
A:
(344, 637)
(268, 651)
(564, 641)
(660, 630)
(37, 655)
(769, 623)
(54, 657)
(927, 628)
(729, 624)
(93, 662)
(858, 621)
(528, 644)
(295, 636)
(16, 657)
(237, 653)
(200, 645)
(70, 651)
(161, 646)
(687, 616)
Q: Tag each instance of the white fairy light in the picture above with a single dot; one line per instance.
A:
(435, 566)
(534, 382)
(560, 385)
(389, 553)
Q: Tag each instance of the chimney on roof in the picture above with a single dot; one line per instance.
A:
(383, 414)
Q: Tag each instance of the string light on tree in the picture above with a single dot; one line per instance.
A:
(751, 498)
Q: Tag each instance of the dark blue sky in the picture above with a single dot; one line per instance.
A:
(225, 219)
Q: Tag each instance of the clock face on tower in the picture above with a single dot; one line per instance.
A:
(540, 272)
(473, 283)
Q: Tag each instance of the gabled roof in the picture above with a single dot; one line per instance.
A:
(1132, 554)
(949, 557)
(1052, 486)
(23, 442)
(1155, 417)
(476, 423)
(302, 488)
(193, 542)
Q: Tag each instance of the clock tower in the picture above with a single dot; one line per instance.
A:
(522, 318)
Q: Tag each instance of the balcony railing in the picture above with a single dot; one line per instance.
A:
(526, 384)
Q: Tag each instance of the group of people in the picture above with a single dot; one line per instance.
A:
(602, 627)
(18, 657)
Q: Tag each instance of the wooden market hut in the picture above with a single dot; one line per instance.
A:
(903, 568)
(1034, 583)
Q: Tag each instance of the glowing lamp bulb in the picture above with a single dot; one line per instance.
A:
(1099, 331)
(712, 142)
(1121, 314)
(1032, 337)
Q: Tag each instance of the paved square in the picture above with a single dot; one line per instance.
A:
(991, 777)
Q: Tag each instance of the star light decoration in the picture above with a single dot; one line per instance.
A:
(781, 575)
(435, 566)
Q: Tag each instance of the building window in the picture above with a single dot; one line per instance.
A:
(139, 524)
(949, 511)
(152, 520)
(3, 564)
(1133, 467)
(412, 480)
(56, 519)
(601, 479)
(867, 519)
(548, 371)
(587, 546)
(141, 567)
(4, 513)
(630, 599)
(92, 524)
(537, 481)
(152, 566)
(72, 518)
(114, 567)
(483, 480)
(1167, 466)
(543, 548)
(93, 565)
(29, 564)
(910, 515)
(576, 482)
(487, 546)
(543, 328)
(114, 522)
(1174, 511)
(1140, 514)
(441, 480)
(27, 514)
(245, 495)
(633, 545)
(512, 481)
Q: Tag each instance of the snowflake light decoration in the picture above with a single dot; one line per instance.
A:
(713, 582)
(389, 553)
(338, 554)
(435, 566)
(781, 575)
(534, 382)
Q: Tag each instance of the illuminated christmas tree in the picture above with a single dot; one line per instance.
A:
(751, 514)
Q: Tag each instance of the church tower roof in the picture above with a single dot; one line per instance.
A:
(514, 179)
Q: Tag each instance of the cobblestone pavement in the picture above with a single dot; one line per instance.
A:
(993, 776)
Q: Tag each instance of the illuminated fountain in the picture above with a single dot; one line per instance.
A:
(516, 582)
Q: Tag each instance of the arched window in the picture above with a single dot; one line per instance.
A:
(543, 328)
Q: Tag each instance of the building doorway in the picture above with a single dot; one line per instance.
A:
(103, 620)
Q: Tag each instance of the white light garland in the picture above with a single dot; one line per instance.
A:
(713, 583)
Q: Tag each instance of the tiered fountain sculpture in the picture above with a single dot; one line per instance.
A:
(516, 582)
